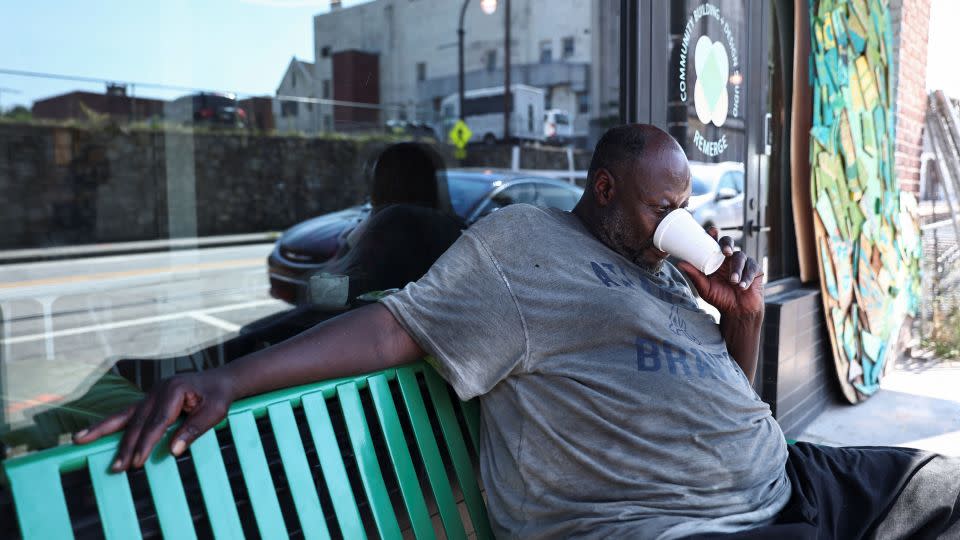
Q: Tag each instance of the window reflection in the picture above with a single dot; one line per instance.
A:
(148, 181)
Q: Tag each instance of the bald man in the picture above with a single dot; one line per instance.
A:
(612, 406)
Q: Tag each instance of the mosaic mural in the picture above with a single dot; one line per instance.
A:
(867, 237)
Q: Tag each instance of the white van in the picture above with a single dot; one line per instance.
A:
(483, 113)
(557, 126)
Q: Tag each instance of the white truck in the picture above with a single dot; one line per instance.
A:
(483, 113)
(557, 127)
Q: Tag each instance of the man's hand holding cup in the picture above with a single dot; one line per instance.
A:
(726, 278)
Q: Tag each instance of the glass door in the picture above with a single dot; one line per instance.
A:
(707, 64)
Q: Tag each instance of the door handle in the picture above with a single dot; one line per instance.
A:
(754, 228)
(768, 134)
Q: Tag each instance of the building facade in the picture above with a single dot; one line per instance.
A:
(114, 103)
(568, 48)
(290, 113)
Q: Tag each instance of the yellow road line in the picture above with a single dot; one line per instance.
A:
(233, 263)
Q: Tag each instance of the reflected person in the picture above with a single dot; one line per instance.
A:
(410, 224)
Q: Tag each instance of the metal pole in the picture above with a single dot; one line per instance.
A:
(935, 285)
(463, 11)
(507, 97)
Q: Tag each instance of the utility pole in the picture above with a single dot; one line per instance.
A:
(463, 11)
(507, 95)
(489, 7)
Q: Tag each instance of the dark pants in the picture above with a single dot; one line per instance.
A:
(865, 492)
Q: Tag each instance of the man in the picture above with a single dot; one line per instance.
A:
(612, 406)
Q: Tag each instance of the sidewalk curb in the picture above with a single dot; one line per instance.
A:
(128, 248)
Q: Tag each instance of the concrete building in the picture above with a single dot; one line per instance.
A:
(569, 48)
(293, 115)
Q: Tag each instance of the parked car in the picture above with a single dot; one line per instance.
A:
(206, 108)
(716, 199)
(473, 194)
(416, 130)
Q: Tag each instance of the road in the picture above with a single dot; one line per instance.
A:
(65, 323)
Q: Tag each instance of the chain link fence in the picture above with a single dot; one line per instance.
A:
(939, 322)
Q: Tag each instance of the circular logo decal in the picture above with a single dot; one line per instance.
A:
(717, 77)
(710, 97)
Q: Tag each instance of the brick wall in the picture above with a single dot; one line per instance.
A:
(911, 22)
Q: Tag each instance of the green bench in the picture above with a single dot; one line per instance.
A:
(390, 454)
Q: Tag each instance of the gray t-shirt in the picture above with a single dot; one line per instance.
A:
(609, 403)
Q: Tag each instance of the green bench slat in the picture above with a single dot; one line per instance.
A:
(166, 487)
(400, 455)
(471, 413)
(462, 465)
(37, 486)
(114, 500)
(331, 463)
(370, 473)
(430, 452)
(299, 478)
(215, 487)
(256, 475)
(41, 506)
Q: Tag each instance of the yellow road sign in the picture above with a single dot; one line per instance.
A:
(460, 134)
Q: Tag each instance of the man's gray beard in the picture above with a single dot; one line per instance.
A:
(613, 227)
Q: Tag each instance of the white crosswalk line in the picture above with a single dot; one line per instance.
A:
(141, 321)
(213, 321)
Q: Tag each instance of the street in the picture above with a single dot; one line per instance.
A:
(65, 323)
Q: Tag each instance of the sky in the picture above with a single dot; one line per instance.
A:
(231, 45)
(942, 72)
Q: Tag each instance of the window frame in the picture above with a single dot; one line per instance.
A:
(565, 52)
(545, 49)
(490, 60)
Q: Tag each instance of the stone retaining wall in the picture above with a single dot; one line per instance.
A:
(75, 185)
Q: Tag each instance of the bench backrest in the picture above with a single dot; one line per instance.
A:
(388, 454)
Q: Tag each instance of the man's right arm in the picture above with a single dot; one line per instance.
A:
(364, 340)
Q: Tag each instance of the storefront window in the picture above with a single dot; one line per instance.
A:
(172, 194)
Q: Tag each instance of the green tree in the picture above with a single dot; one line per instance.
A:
(18, 112)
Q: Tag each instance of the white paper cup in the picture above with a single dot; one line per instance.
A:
(680, 235)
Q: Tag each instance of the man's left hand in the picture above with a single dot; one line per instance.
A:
(736, 288)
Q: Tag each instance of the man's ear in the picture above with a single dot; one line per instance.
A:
(604, 187)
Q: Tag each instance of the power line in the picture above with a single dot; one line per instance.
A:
(156, 86)
(75, 78)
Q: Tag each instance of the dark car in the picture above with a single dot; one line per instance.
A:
(473, 194)
(417, 130)
(207, 108)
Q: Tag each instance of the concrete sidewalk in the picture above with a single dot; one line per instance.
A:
(125, 248)
(918, 406)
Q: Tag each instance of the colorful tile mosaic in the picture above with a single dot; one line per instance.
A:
(866, 229)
